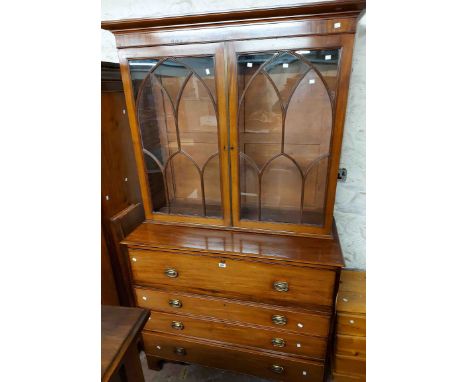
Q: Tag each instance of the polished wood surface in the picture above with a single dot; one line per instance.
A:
(245, 280)
(341, 7)
(120, 225)
(259, 29)
(309, 30)
(296, 250)
(351, 324)
(109, 294)
(119, 181)
(240, 334)
(350, 344)
(222, 356)
(350, 365)
(352, 293)
(339, 377)
(232, 274)
(237, 311)
(120, 326)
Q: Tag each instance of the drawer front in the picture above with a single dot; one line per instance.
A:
(280, 341)
(230, 310)
(350, 324)
(338, 377)
(350, 365)
(226, 357)
(351, 345)
(241, 279)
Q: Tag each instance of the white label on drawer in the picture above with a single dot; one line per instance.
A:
(158, 347)
(133, 259)
(337, 25)
(249, 64)
(328, 57)
(351, 321)
(298, 345)
(304, 373)
(144, 298)
(300, 325)
(222, 265)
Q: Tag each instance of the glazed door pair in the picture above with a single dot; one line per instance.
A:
(237, 133)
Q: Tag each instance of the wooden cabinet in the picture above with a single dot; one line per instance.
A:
(236, 122)
(349, 362)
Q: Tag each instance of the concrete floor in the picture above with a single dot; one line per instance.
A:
(172, 372)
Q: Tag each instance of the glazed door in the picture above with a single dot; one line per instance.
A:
(177, 111)
(287, 101)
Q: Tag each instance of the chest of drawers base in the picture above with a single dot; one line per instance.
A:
(266, 312)
(160, 347)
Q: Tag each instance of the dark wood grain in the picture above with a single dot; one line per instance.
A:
(296, 250)
(109, 294)
(248, 361)
(119, 328)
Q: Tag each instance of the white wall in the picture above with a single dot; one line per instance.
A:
(351, 195)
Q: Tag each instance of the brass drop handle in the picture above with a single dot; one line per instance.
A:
(177, 325)
(170, 272)
(175, 303)
(277, 369)
(279, 320)
(278, 342)
(281, 286)
(180, 351)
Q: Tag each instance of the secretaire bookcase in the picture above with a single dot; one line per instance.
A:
(237, 120)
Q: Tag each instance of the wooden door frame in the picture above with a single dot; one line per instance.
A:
(217, 51)
(345, 43)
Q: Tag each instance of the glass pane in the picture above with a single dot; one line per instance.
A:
(285, 123)
(176, 109)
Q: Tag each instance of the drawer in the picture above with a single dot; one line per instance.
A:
(275, 317)
(351, 324)
(350, 345)
(338, 377)
(247, 280)
(226, 357)
(279, 341)
(350, 365)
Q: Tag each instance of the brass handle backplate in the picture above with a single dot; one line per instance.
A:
(277, 369)
(177, 325)
(279, 320)
(170, 272)
(175, 303)
(180, 351)
(281, 286)
(278, 342)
